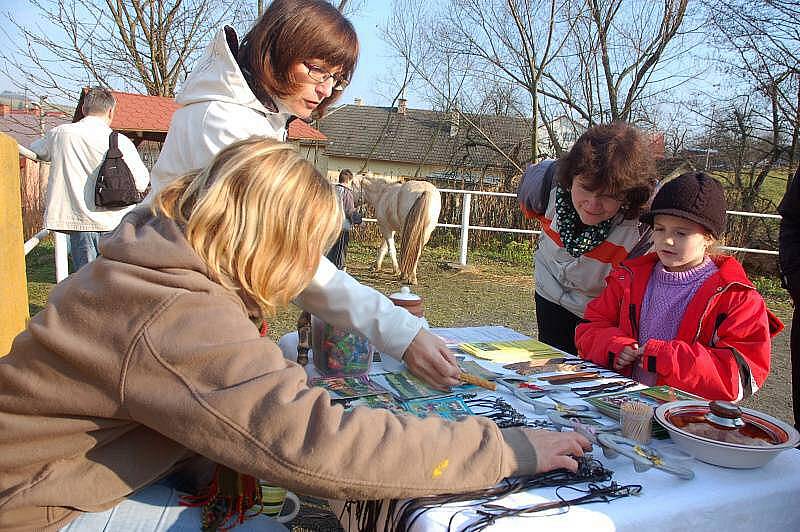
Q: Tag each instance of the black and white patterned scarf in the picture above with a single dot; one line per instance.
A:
(578, 238)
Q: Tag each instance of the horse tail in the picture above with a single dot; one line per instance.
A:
(413, 237)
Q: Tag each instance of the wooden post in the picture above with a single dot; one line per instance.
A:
(13, 288)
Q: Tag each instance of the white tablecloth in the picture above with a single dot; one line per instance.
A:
(717, 499)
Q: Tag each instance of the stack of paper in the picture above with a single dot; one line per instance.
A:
(510, 350)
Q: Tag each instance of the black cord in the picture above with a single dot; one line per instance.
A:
(594, 493)
(589, 470)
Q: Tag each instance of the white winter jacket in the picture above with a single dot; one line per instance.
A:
(76, 152)
(218, 109)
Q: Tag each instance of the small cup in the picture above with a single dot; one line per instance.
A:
(409, 301)
(273, 502)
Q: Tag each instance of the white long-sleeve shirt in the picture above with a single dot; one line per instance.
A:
(219, 109)
(76, 152)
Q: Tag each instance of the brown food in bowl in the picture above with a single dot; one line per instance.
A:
(705, 430)
(750, 434)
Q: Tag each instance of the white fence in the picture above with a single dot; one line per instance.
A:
(464, 226)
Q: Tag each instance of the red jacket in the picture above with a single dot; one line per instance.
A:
(722, 349)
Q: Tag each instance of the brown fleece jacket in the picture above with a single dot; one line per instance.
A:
(140, 363)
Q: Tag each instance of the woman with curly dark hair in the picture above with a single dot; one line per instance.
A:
(588, 203)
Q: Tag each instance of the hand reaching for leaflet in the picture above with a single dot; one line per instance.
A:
(428, 358)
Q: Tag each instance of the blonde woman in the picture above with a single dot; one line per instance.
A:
(149, 360)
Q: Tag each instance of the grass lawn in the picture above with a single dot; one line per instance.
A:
(496, 289)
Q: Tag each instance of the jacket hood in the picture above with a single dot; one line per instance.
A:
(153, 242)
(158, 243)
(217, 77)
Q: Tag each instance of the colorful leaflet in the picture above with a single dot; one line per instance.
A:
(348, 387)
(451, 407)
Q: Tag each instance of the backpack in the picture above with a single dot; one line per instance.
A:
(115, 186)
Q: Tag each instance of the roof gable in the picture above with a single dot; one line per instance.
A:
(139, 112)
(299, 130)
(423, 136)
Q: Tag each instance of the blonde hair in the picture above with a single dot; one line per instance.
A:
(260, 216)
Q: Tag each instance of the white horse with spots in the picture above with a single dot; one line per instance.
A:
(411, 206)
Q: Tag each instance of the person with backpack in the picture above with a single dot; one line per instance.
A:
(683, 315)
(338, 253)
(77, 152)
(294, 62)
(588, 204)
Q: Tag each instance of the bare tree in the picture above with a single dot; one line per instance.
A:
(140, 45)
(763, 41)
(590, 60)
(617, 57)
(673, 121)
(743, 136)
(507, 40)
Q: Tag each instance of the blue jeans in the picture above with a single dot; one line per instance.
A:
(156, 508)
(83, 247)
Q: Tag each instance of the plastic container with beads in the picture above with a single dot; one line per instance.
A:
(338, 352)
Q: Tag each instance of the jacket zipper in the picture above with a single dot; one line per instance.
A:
(632, 306)
(720, 290)
(632, 317)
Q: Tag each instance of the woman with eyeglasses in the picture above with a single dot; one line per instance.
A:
(588, 204)
(292, 64)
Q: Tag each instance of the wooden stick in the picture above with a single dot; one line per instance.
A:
(474, 379)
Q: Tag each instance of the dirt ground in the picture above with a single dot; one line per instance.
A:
(491, 292)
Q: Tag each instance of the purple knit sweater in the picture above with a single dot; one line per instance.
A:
(665, 300)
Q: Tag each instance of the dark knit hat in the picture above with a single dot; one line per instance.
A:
(694, 196)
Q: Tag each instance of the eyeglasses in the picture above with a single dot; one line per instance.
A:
(320, 75)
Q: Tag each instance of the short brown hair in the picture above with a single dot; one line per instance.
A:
(291, 31)
(222, 211)
(345, 176)
(615, 158)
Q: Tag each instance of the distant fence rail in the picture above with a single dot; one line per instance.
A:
(464, 226)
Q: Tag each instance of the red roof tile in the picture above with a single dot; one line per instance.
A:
(139, 112)
(299, 130)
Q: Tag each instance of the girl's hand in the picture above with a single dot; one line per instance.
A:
(626, 357)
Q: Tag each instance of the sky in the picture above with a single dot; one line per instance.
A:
(375, 63)
(368, 17)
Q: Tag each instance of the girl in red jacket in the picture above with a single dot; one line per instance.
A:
(679, 316)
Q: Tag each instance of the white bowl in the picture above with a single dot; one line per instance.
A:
(725, 454)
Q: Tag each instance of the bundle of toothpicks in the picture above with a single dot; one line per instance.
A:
(637, 420)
